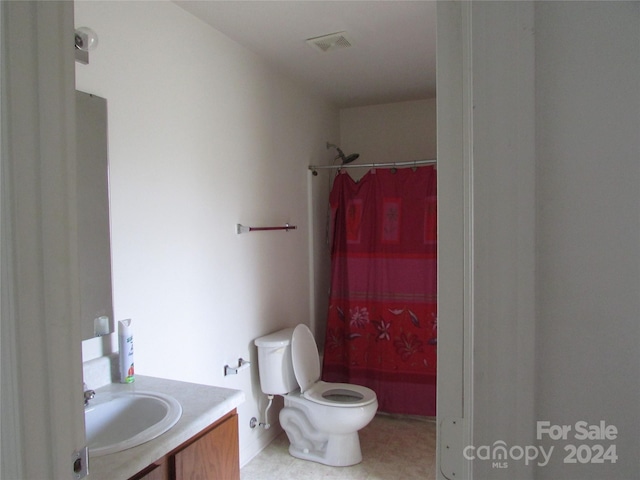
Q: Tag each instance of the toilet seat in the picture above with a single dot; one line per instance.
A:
(343, 395)
(306, 367)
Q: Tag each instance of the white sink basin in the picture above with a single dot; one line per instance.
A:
(124, 420)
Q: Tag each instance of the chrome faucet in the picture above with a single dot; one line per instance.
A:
(88, 394)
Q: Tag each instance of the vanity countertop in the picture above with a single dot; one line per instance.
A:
(202, 405)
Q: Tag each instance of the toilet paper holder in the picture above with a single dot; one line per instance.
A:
(242, 365)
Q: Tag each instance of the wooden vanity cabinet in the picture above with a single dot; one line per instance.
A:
(212, 454)
(157, 471)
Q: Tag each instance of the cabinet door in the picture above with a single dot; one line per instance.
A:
(152, 472)
(213, 456)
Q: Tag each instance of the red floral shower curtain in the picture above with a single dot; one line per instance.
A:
(381, 326)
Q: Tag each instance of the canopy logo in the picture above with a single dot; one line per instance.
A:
(500, 454)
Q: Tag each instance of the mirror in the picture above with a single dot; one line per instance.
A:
(94, 239)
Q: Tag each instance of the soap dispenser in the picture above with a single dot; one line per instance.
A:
(125, 351)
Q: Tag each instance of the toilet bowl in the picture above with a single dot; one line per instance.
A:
(320, 419)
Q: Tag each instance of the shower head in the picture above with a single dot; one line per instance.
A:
(349, 158)
(344, 158)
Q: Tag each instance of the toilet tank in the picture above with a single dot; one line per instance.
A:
(274, 363)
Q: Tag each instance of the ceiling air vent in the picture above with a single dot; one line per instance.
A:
(328, 43)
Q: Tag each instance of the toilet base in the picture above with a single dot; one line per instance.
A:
(340, 451)
(309, 443)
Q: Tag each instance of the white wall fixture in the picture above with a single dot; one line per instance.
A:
(242, 365)
(86, 40)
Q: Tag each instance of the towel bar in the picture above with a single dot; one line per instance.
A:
(242, 229)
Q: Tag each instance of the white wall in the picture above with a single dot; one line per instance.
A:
(588, 226)
(202, 136)
(391, 132)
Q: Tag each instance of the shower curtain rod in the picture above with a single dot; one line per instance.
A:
(375, 165)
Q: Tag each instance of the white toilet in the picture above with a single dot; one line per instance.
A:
(321, 419)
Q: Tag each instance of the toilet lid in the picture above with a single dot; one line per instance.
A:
(304, 354)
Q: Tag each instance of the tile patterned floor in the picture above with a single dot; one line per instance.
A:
(392, 448)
